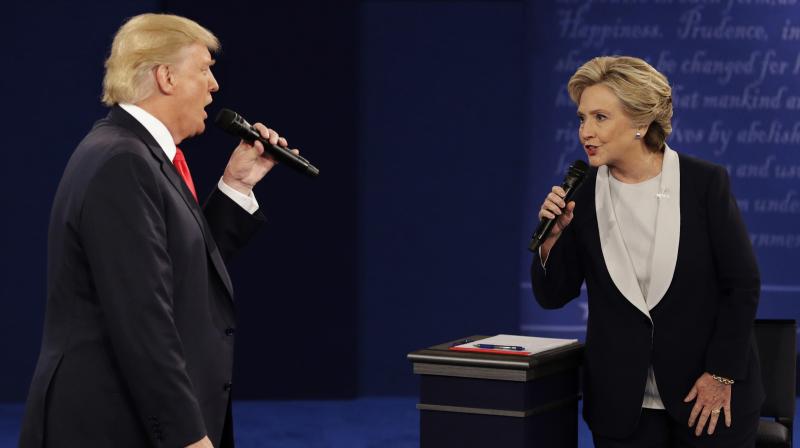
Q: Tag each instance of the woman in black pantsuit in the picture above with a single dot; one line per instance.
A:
(671, 276)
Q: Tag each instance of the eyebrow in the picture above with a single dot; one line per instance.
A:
(592, 112)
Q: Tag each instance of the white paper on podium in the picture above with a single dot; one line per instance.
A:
(531, 344)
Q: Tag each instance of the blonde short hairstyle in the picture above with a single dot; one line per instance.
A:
(644, 92)
(143, 43)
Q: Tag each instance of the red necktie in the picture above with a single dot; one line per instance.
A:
(183, 169)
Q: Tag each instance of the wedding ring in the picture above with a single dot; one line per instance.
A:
(715, 411)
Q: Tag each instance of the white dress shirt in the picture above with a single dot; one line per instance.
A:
(164, 139)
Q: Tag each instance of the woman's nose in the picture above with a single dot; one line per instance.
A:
(585, 131)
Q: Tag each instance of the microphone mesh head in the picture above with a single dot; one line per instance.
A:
(576, 173)
(225, 119)
(580, 165)
(578, 169)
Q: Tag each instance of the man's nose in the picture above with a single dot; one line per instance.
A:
(213, 87)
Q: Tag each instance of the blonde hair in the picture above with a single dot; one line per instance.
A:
(644, 92)
(143, 43)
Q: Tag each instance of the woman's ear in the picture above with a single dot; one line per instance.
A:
(641, 131)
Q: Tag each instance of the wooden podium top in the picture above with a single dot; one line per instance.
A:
(440, 360)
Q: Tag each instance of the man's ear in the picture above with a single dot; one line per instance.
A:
(165, 79)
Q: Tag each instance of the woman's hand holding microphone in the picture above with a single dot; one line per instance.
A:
(554, 207)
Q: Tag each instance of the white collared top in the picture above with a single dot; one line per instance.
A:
(164, 139)
(635, 207)
(664, 253)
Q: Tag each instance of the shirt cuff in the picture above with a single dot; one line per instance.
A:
(543, 260)
(248, 203)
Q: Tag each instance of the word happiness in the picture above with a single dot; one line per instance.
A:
(692, 25)
(727, 4)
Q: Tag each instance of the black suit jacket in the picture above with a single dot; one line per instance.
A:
(138, 335)
(703, 323)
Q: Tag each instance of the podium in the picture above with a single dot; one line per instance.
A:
(470, 399)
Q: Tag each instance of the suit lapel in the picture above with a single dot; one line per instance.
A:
(168, 169)
(615, 255)
(668, 229)
(177, 182)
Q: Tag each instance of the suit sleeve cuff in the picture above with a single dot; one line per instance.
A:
(247, 202)
(543, 260)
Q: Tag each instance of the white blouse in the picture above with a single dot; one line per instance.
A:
(636, 208)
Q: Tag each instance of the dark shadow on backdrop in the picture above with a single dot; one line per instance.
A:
(413, 111)
(51, 83)
(442, 156)
(296, 282)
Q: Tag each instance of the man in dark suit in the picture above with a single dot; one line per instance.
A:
(138, 337)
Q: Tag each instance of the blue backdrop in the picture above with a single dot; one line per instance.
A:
(438, 126)
(296, 281)
(440, 181)
(734, 66)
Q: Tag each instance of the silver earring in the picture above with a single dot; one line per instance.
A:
(638, 135)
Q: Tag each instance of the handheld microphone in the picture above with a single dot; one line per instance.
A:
(233, 123)
(573, 180)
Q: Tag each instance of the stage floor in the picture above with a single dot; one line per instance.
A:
(385, 422)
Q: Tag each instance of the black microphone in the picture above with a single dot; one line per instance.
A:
(573, 180)
(233, 123)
